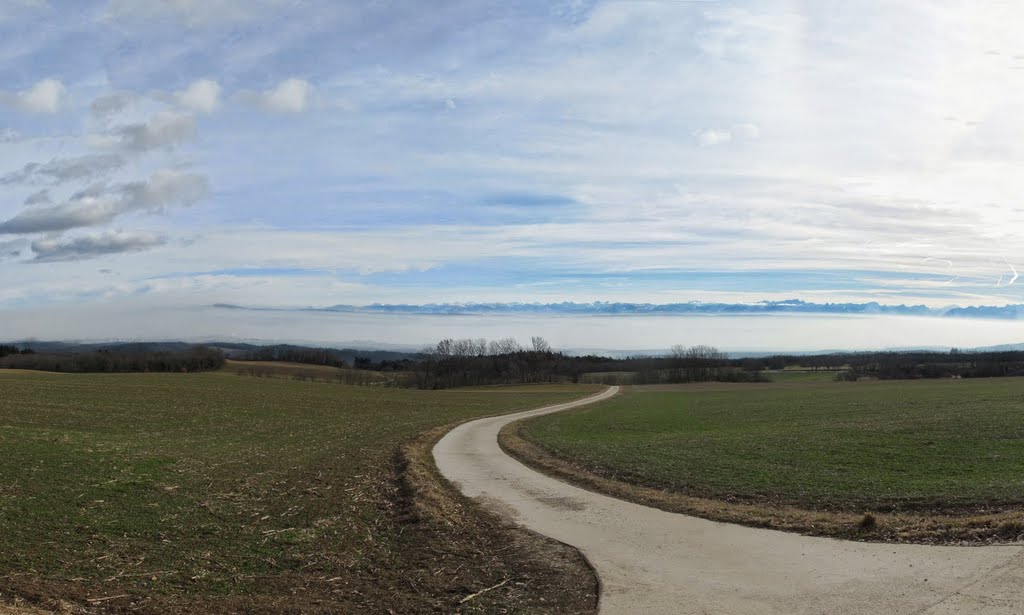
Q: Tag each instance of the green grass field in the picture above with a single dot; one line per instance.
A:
(935, 445)
(207, 486)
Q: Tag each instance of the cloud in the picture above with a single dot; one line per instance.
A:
(45, 96)
(100, 204)
(60, 170)
(710, 138)
(746, 131)
(721, 136)
(290, 96)
(165, 187)
(164, 129)
(202, 96)
(93, 245)
(110, 104)
(795, 171)
(12, 248)
(43, 196)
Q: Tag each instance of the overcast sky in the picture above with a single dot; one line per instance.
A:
(315, 152)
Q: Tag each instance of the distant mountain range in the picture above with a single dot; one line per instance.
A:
(792, 306)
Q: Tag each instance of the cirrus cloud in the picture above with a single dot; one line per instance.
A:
(83, 247)
(61, 170)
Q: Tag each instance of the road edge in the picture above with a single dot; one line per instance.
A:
(601, 395)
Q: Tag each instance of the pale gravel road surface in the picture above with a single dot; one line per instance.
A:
(653, 562)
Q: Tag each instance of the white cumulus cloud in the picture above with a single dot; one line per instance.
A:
(290, 96)
(44, 96)
(202, 96)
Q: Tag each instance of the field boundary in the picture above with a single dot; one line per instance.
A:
(972, 528)
(427, 497)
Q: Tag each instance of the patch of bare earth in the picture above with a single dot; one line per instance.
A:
(998, 524)
(469, 549)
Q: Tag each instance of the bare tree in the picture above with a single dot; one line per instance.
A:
(698, 363)
(704, 362)
(540, 344)
(677, 361)
(707, 353)
(504, 346)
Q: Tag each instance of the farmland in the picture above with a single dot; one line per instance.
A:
(180, 493)
(938, 461)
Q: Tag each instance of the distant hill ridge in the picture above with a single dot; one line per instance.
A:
(374, 352)
(230, 349)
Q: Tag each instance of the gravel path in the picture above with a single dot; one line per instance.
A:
(651, 561)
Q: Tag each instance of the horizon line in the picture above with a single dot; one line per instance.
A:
(1009, 311)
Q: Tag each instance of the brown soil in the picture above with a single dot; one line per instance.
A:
(972, 527)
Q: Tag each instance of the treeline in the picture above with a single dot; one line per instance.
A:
(295, 354)
(199, 358)
(914, 365)
(693, 364)
(7, 350)
(474, 362)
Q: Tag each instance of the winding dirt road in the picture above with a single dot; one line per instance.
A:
(650, 561)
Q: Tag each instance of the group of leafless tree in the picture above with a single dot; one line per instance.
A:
(473, 362)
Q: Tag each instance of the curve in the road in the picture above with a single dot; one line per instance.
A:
(651, 561)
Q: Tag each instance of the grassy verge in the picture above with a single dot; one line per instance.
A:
(907, 461)
(184, 493)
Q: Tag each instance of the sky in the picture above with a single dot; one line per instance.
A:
(173, 154)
